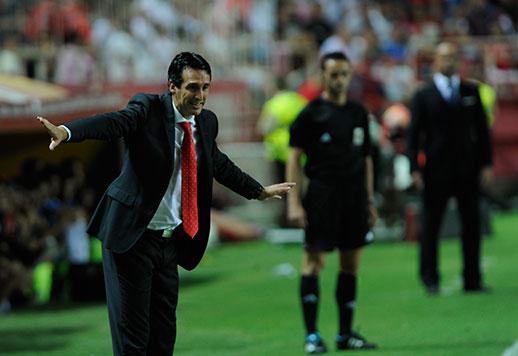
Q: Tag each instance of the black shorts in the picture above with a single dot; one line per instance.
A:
(337, 216)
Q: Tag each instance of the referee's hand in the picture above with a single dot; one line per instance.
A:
(297, 215)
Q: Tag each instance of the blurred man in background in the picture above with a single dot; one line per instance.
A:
(337, 210)
(156, 214)
(449, 124)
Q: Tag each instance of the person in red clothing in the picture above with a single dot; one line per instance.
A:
(49, 18)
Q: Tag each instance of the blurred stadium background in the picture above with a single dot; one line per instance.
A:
(64, 59)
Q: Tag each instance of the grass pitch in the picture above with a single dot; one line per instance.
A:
(242, 300)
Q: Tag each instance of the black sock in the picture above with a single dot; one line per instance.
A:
(346, 301)
(309, 296)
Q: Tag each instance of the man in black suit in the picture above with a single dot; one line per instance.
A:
(449, 125)
(155, 214)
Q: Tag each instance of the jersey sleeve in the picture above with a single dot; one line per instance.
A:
(300, 130)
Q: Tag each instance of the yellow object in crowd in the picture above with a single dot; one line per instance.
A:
(488, 99)
(279, 112)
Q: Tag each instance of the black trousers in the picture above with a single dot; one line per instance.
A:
(435, 199)
(142, 294)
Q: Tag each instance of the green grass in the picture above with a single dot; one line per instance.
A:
(234, 304)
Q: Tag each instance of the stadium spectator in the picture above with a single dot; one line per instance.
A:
(486, 18)
(338, 208)
(317, 24)
(396, 77)
(56, 19)
(75, 67)
(449, 124)
(277, 115)
(10, 61)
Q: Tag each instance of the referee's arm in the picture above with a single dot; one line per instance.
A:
(369, 183)
(296, 213)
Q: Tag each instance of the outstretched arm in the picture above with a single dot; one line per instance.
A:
(106, 126)
(231, 176)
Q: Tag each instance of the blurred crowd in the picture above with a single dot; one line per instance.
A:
(84, 43)
(45, 253)
(89, 44)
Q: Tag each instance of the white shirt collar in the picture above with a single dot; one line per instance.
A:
(178, 117)
(441, 82)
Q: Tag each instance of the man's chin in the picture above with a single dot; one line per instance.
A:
(197, 110)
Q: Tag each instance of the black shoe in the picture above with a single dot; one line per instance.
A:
(353, 341)
(314, 344)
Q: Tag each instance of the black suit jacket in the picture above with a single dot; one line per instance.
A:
(455, 137)
(131, 200)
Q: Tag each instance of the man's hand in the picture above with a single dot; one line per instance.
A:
(417, 180)
(486, 177)
(275, 191)
(57, 134)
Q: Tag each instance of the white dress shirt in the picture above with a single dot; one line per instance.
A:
(442, 83)
(168, 215)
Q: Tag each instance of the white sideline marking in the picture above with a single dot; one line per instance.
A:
(512, 350)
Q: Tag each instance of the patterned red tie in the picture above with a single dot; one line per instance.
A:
(189, 182)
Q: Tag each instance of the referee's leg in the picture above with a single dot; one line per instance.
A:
(312, 263)
(346, 289)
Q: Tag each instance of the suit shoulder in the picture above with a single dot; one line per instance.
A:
(209, 117)
(145, 98)
(315, 103)
(470, 86)
(208, 113)
(312, 107)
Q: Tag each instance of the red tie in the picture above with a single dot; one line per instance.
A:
(189, 182)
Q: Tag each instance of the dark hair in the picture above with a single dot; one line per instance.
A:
(332, 55)
(186, 60)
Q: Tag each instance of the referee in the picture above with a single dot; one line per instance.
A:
(337, 210)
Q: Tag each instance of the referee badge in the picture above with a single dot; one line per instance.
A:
(358, 136)
(325, 138)
(369, 236)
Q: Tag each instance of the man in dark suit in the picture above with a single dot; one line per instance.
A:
(155, 214)
(449, 125)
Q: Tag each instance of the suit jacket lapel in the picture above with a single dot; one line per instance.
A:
(169, 122)
(436, 93)
(462, 91)
(202, 137)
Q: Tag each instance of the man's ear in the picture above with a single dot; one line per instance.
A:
(170, 86)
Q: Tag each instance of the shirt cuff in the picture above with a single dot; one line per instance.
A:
(68, 132)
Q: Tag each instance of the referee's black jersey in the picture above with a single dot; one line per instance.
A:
(334, 138)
